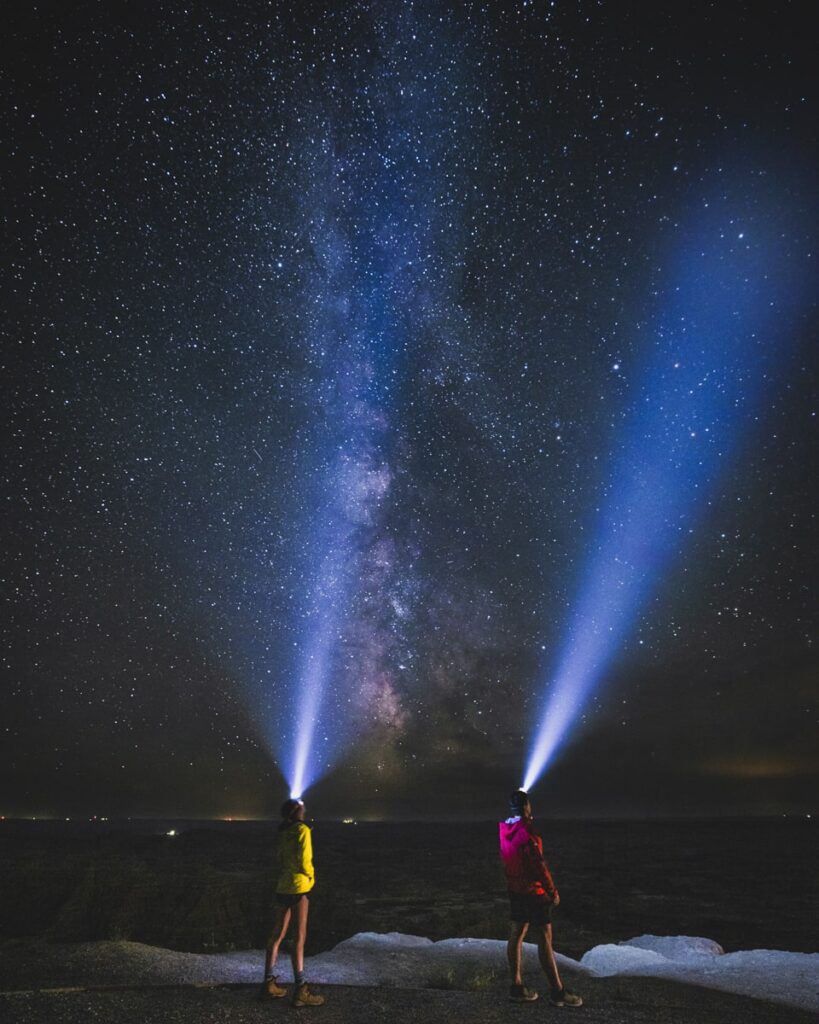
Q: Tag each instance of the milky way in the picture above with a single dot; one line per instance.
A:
(329, 332)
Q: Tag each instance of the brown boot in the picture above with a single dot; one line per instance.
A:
(271, 989)
(521, 994)
(302, 996)
(565, 998)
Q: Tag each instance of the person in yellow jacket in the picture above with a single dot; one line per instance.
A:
(296, 879)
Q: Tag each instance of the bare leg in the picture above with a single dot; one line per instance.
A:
(280, 926)
(547, 957)
(300, 917)
(514, 951)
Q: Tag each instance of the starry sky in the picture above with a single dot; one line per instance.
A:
(335, 338)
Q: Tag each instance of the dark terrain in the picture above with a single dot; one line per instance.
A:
(746, 884)
(641, 1001)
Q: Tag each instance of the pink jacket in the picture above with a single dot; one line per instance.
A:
(521, 850)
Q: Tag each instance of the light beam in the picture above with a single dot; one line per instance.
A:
(726, 329)
(309, 701)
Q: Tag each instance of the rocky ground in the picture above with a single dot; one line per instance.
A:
(395, 979)
(608, 1001)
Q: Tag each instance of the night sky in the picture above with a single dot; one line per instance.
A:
(369, 356)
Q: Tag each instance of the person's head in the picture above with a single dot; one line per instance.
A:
(292, 810)
(519, 804)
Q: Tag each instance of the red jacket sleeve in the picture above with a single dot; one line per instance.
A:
(540, 869)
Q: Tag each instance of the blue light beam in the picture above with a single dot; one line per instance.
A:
(329, 593)
(724, 335)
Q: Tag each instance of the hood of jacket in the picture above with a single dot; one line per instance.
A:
(514, 835)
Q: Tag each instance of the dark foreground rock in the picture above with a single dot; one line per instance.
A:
(608, 1001)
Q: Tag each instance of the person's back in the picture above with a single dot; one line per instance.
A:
(522, 855)
(295, 856)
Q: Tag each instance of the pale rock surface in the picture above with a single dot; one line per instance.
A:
(791, 978)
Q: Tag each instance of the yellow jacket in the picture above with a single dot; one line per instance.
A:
(295, 854)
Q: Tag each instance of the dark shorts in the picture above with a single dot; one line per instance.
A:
(525, 908)
(289, 899)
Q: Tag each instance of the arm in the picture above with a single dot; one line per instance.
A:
(540, 871)
(306, 853)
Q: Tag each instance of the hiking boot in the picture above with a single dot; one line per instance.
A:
(565, 998)
(522, 994)
(302, 996)
(270, 989)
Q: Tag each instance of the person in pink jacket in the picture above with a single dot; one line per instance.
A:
(532, 895)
